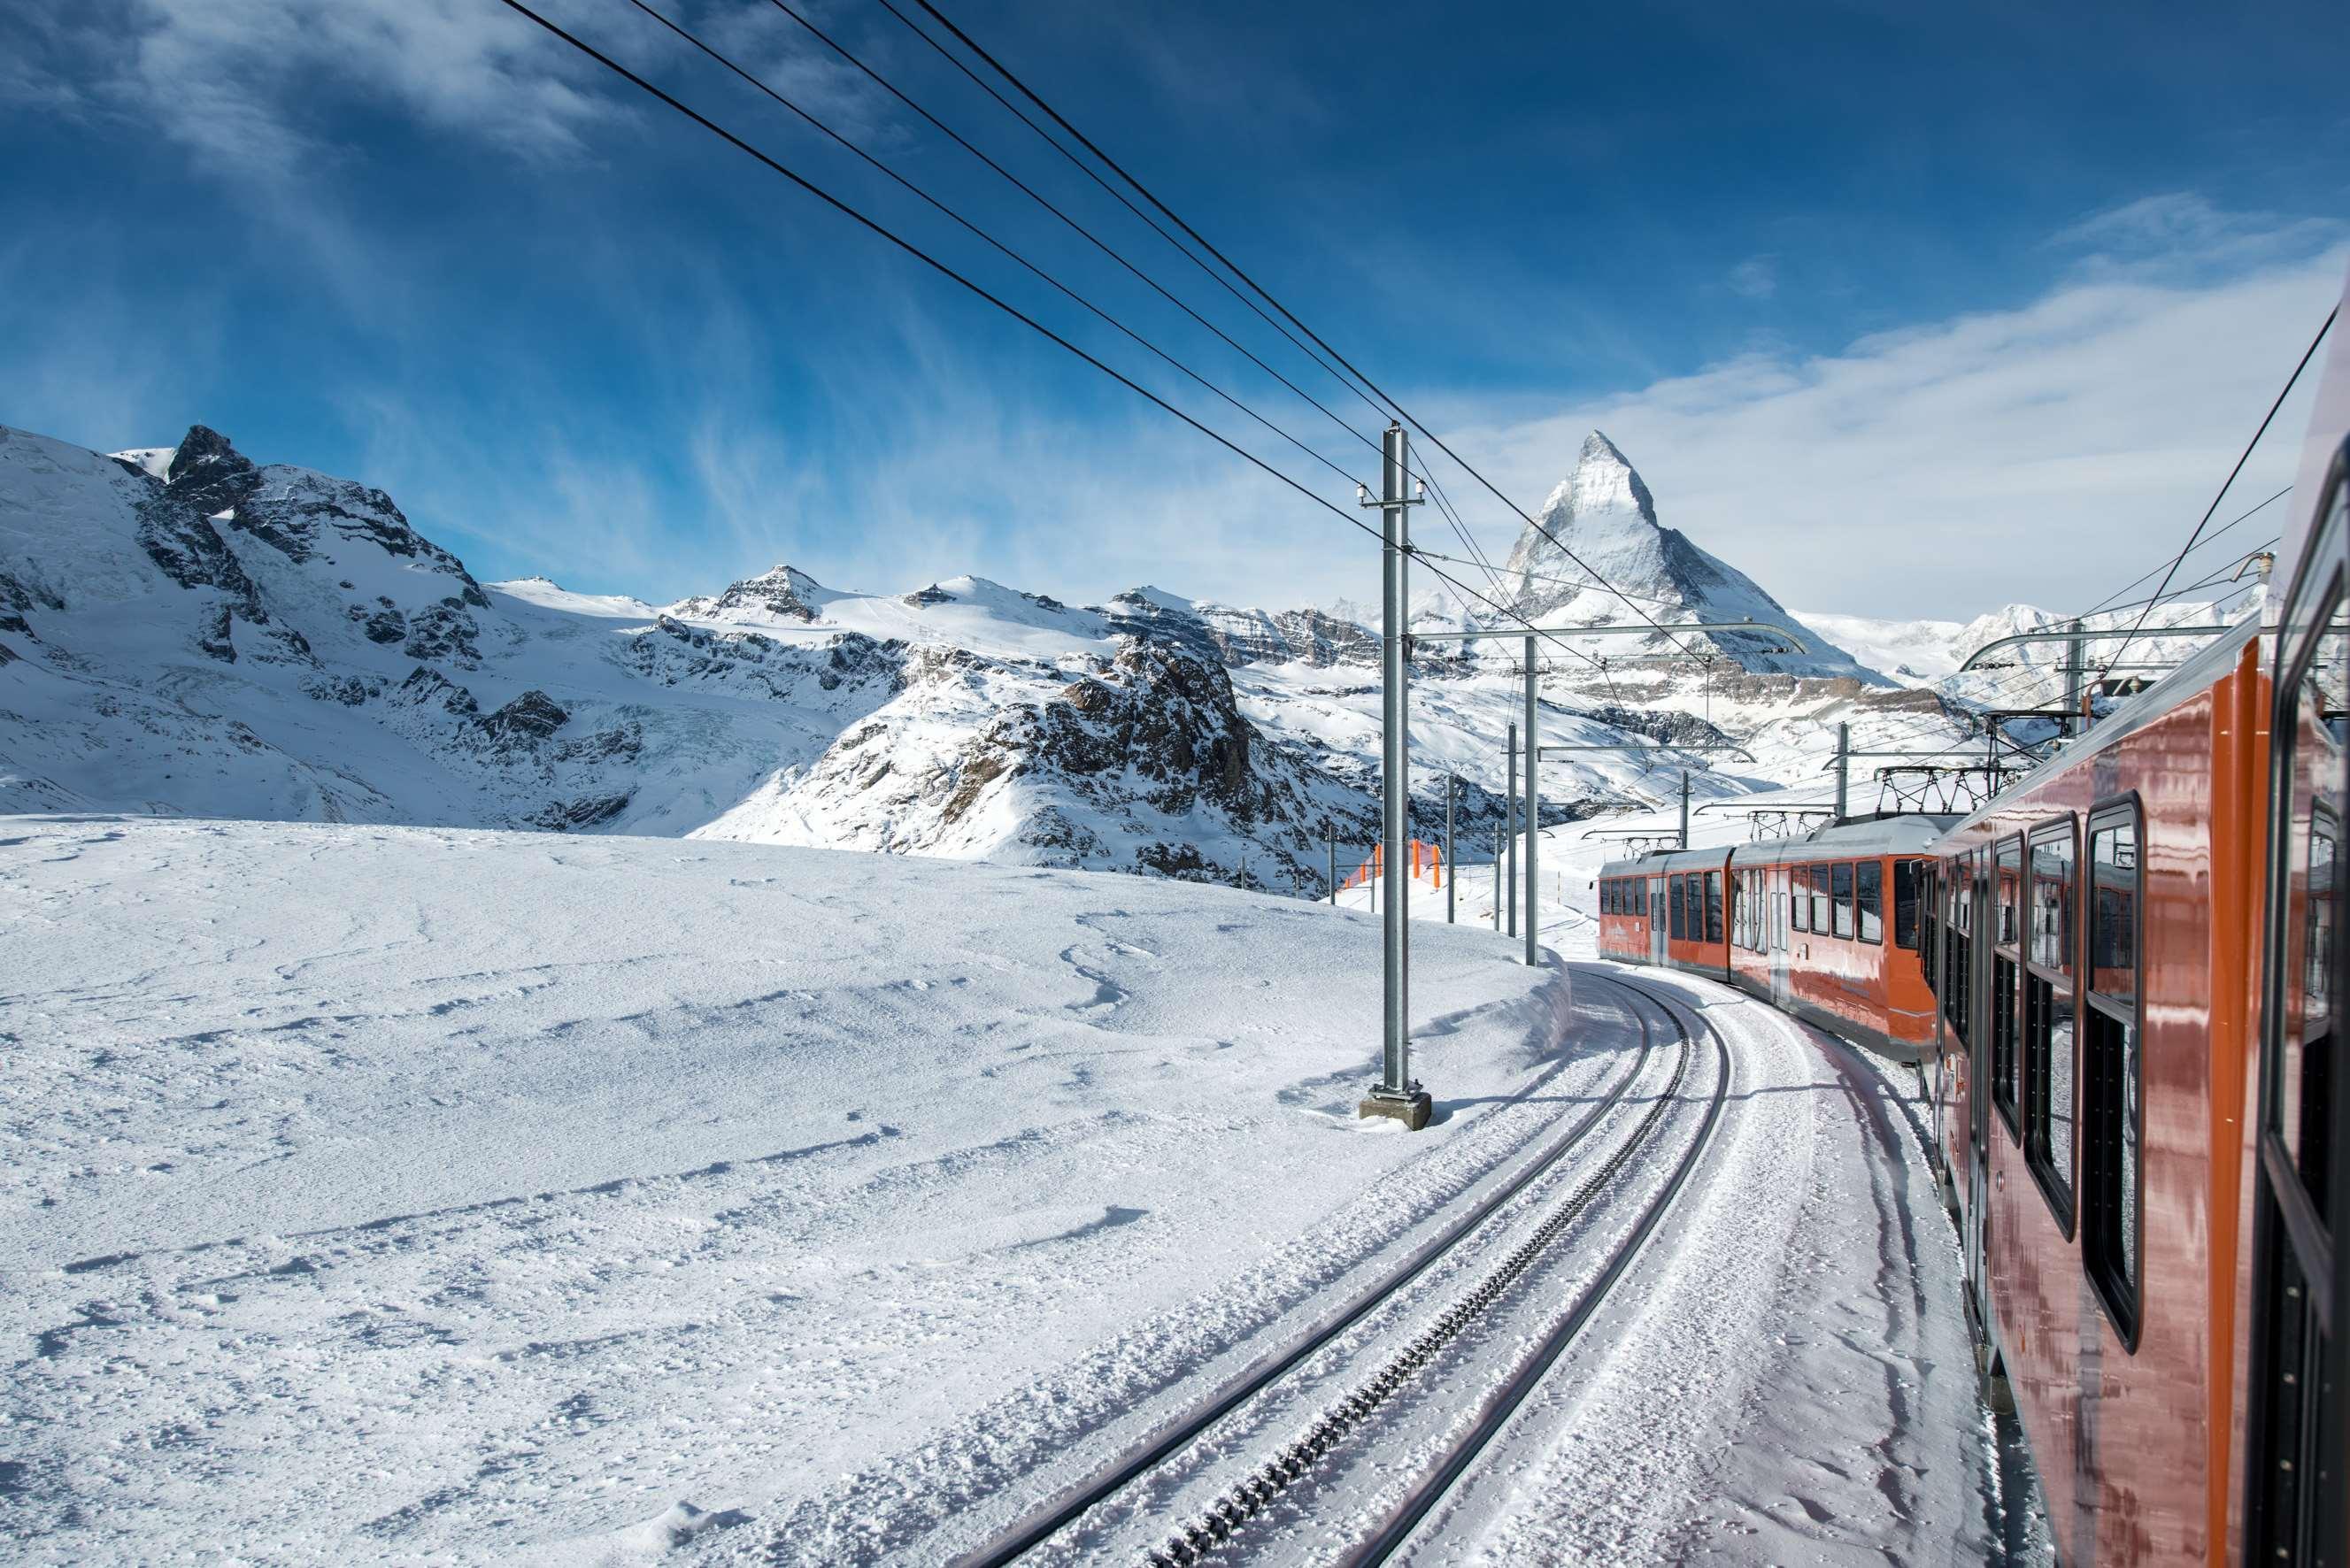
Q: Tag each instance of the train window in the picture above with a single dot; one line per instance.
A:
(2297, 1421)
(1906, 875)
(2010, 881)
(1868, 900)
(1958, 953)
(1820, 884)
(1840, 890)
(2112, 1071)
(2050, 939)
(1611, 897)
(1798, 898)
(1673, 886)
(2048, 1020)
(1713, 906)
(2304, 1110)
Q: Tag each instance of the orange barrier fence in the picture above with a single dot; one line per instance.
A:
(1426, 860)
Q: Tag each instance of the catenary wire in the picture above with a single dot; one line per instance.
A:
(691, 37)
(910, 248)
(1401, 411)
(2245, 456)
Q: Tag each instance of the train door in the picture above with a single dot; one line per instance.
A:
(1656, 933)
(1775, 902)
(2294, 1480)
(1973, 964)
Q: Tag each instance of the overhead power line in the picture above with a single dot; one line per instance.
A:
(691, 37)
(2245, 456)
(1116, 194)
(1401, 411)
(910, 248)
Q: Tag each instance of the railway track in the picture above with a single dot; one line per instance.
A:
(1218, 1526)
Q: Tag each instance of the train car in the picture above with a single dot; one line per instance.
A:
(2136, 1103)
(1827, 926)
(1667, 908)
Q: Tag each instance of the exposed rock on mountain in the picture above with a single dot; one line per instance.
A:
(184, 631)
(1602, 519)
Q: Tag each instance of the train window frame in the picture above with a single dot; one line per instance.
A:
(1713, 911)
(1871, 904)
(1914, 872)
(2296, 1383)
(2060, 1188)
(1822, 919)
(2005, 1011)
(1840, 899)
(1799, 898)
(1675, 920)
(2123, 1302)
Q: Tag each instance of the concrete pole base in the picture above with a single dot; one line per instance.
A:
(1412, 1107)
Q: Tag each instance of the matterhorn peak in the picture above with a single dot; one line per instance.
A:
(1598, 556)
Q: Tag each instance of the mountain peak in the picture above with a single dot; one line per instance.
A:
(1600, 525)
(206, 448)
(1604, 481)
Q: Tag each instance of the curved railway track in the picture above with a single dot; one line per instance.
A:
(1217, 1526)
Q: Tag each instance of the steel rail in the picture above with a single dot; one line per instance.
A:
(1209, 1531)
(1047, 1519)
(1504, 1403)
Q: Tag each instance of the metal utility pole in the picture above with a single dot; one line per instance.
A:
(1533, 804)
(1684, 808)
(1449, 870)
(1843, 768)
(2076, 651)
(1397, 1095)
(1497, 881)
(1330, 837)
(1510, 827)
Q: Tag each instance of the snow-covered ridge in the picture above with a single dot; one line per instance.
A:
(185, 632)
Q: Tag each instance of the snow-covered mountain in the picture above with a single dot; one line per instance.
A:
(1928, 653)
(1602, 519)
(185, 632)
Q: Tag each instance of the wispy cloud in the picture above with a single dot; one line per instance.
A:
(255, 89)
(2044, 454)
(1756, 277)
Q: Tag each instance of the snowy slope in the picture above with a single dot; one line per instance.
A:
(617, 1200)
(548, 1182)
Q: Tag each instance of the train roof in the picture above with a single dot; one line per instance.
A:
(1909, 833)
(2196, 674)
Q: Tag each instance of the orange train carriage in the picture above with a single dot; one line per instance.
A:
(2134, 956)
(1828, 927)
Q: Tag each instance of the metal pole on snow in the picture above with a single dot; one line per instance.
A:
(1510, 827)
(2075, 653)
(1451, 867)
(1497, 880)
(1843, 768)
(1533, 804)
(1396, 1094)
(1330, 837)
(1685, 792)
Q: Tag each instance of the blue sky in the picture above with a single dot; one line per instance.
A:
(1905, 310)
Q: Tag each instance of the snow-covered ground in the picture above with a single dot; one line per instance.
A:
(400, 1194)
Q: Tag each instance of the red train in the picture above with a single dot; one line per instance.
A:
(1829, 926)
(2130, 958)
